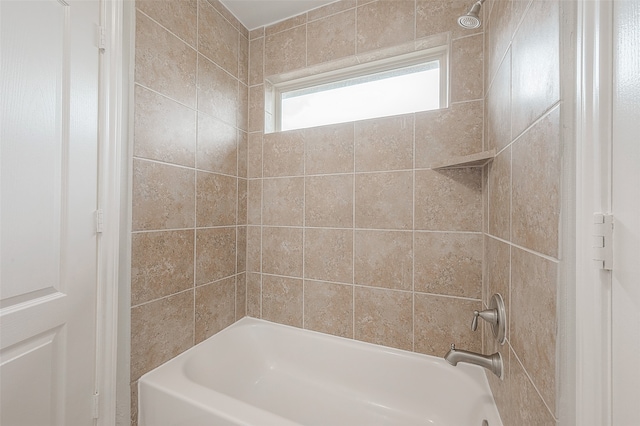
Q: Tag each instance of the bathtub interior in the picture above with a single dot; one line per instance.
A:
(310, 378)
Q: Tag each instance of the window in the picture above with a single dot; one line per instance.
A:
(411, 83)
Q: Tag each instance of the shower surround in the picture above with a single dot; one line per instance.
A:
(344, 229)
(349, 230)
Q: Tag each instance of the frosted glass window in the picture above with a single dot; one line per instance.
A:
(392, 92)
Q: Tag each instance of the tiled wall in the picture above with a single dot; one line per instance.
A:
(522, 250)
(350, 232)
(347, 229)
(189, 178)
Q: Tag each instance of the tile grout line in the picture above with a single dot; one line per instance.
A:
(353, 231)
(304, 214)
(531, 381)
(413, 246)
(195, 201)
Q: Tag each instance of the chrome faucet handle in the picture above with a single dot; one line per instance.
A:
(489, 315)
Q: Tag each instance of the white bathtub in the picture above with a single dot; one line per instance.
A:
(264, 374)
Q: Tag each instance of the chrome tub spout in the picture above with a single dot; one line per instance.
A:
(491, 362)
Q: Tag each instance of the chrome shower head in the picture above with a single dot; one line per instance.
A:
(472, 19)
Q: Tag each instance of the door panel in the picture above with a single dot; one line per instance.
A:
(48, 198)
(32, 142)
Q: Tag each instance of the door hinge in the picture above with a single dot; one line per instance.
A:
(603, 241)
(101, 38)
(99, 221)
(95, 409)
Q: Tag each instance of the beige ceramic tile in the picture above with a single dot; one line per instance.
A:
(254, 295)
(449, 263)
(179, 17)
(164, 130)
(328, 308)
(385, 23)
(163, 196)
(328, 254)
(163, 62)
(533, 320)
(384, 144)
(536, 186)
(215, 308)
(282, 300)
(439, 16)
(466, 68)
(500, 388)
(283, 154)
(216, 199)
(254, 155)
(329, 201)
(242, 201)
(222, 9)
(134, 403)
(254, 202)
(161, 264)
(283, 201)
(386, 52)
(254, 244)
(384, 259)
(446, 133)
(256, 61)
(536, 77)
(449, 200)
(498, 264)
(243, 60)
(242, 115)
(241, 244)
(217, 146)
(241, 296)
(383, 317)
(441, 321)
(256, 109)
(498, 112)
(257, 33)
(217, 92)
(287, 24)
(282, 251)
(160, 330)
(331, 38)
(485, 199)
(285, 51)
(330, 9)
(526, 406)
(243, 154)
(218, 40)
(499, 33)
(517, 11)
(329, 149)
(499, 180)
(384, 200)
(215, 254)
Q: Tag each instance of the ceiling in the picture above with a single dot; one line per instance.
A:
(258, 13)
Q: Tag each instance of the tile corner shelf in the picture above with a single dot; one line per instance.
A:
(478, 159)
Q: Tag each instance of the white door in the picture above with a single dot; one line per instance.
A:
(625, 205)
(48, 195)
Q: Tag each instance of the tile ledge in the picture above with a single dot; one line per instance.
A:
(478, 159)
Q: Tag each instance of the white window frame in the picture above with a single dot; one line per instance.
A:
(274, 91)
